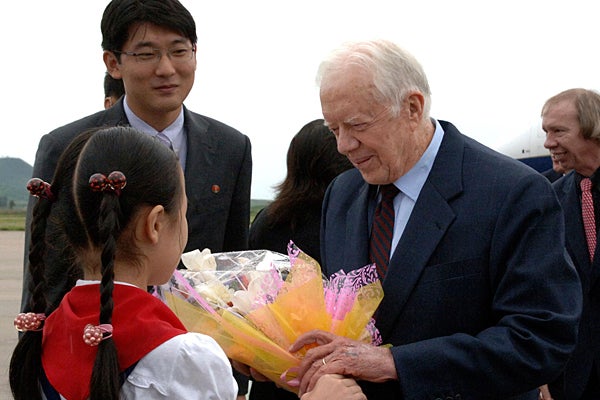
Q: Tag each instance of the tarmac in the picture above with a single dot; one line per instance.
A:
(11, 278)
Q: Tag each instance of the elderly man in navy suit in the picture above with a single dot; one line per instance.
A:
(481, 300)
(571, 120)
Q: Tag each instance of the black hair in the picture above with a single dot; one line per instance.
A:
(113, 87)
(312, 163)
(94, 223)
(25, 364)
(120, 15)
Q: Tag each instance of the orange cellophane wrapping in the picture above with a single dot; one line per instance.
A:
(239, 339)
(261, 338)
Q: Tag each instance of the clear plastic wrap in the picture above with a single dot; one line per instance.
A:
(256, 303)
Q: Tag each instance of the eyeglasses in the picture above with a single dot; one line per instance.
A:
(152, 56)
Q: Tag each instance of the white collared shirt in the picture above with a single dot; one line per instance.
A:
(174, 132)
(411, 183)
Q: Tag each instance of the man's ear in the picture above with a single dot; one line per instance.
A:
(112, 64)
(416, 105)
(108, 102)
(152, 224)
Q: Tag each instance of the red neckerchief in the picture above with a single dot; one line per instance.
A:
(141, 322)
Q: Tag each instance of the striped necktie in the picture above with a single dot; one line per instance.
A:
(383, 229)
(587, 212)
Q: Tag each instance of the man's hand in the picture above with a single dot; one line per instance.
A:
(333, 386)
(339, 355)
(545, 393)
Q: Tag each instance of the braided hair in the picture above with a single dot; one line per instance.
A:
(96, 224)
(152, 178)
(25, 363)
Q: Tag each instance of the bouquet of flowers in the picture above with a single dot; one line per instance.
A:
(256, 303)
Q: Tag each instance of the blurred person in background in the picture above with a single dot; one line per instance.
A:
(113, 90)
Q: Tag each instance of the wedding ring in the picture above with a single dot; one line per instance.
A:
(324, 363)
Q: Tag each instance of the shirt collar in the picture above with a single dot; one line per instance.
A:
(595, 178)
(412, 182)
(171, 131)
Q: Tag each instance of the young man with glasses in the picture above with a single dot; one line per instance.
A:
(151, 46)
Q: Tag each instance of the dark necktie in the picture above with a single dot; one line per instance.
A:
(587, 211)
(383, 229)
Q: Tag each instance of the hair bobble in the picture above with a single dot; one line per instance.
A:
(115, 182)
(93, 335)
(40, 189)
(29, 321)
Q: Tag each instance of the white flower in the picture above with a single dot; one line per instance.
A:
(215, 292)
(197, 260)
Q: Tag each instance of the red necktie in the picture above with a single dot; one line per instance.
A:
(587, 211)
(383, 229)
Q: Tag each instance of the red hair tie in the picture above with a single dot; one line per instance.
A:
(115, 182)
(93, 335)
(29, 321)
(40, 189)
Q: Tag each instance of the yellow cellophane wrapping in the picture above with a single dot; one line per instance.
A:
(239, 339)
(261, 338)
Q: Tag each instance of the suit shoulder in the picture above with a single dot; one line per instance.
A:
(215, 127)
(68, 131)
(564, 183)
(486, 157)
(52, 144)
(348, 183)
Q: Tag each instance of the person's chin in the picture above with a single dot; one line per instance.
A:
(372, 177)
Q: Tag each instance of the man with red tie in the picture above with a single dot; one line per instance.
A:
(571, 120)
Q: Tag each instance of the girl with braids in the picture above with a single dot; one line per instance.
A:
(122, 205)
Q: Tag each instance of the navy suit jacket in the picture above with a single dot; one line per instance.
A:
(580, 367)
(216, 155)
(552, 175)
(480, 299)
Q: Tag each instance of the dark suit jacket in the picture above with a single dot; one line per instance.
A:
(216, 155)
(580, 367)
(552, 175)
(480, 299)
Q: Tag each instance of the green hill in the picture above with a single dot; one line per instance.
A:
(14, 174)
(256, 205)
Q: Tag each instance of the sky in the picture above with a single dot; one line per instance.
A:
(491, 64)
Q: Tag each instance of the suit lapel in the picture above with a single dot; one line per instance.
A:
(429, 221)
(575, 236)
(357, 232)
(200, 157)
(115, 115)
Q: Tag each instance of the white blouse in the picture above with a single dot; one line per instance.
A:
(188, 366)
